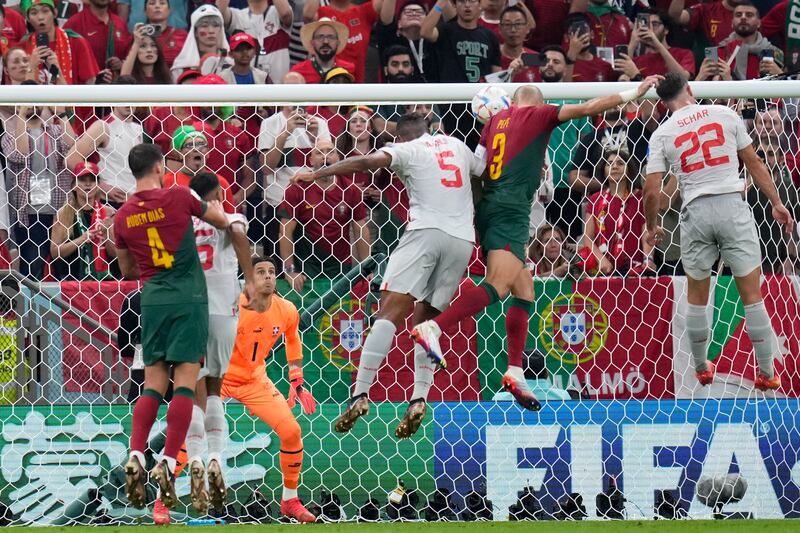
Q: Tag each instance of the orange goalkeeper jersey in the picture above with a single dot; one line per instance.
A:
(256, 335)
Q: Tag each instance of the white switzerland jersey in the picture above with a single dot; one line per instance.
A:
(220, 265)
(700, 144)
(436, 172)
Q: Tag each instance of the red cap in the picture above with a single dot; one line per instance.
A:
(241, 38)
(188, 73)
(210, 79)
(86, 168)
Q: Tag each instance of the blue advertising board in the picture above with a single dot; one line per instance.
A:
(647, 446)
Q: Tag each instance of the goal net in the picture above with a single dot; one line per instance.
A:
(625, 431)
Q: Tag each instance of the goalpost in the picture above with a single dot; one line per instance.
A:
(609, 354)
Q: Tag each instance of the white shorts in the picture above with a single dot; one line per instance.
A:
(719, 225)
(428, 264)
(221, 337)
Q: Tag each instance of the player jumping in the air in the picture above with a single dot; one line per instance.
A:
(703, 144)
(155, 243)
(514, 142)
(261, 324)
(219, 251)
(430, 259)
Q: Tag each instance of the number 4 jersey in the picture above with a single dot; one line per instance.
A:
(155, 226)
(220, 265)
(700, 144)
(436, 171)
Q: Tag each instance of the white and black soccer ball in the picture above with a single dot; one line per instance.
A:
(721, 490)
(488, 102)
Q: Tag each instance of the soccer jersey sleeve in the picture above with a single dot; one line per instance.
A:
(401, 155)
(656, 159)
(743, 140)
(196, 207)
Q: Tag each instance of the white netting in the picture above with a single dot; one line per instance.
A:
(610, 354)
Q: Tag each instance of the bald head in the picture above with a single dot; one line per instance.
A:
(293, 78)
(527, 95)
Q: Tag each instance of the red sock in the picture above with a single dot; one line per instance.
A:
(179, 415)
(468, 303)
(144, 416)
(517, 318)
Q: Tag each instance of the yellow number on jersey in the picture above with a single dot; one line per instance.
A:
(499, 144)
(161, 257)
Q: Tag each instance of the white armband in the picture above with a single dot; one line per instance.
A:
(629, 95)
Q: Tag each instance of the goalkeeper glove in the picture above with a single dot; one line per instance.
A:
(297, 392)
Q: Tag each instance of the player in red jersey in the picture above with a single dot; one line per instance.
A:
(514, 143)
(154, 234)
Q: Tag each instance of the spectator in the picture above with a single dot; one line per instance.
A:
(324, 39)
(546, 255)
(640, 128)
(714, 19)
(466, 51)
(17, 67)
(563, 209)
(13, 26)
(80, 246)
(112, 139)
(145, 61)
(244, 48)
(513, 30)
(230, 146)
(773, 26)
(550, 16)
(491, 11)
(748, 44)
(270, 23)
(609, 24)
(587, 67)
(359, 20)
(589, 166)
(615, 223)
(160, 16)
(337, 122)
(35, 143)
(771, 236)
(206, 37)
(285, 140)
(170, 14)
(106, 33)
(406, 33)
(360, 138)
(67, 51)
(658, 57)
(398, 67)
(188, 158)
(317, 219)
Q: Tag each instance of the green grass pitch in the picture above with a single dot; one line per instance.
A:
(678, 526)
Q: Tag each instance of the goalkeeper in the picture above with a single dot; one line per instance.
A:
(261, 323)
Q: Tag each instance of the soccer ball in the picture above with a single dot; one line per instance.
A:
(488, 102)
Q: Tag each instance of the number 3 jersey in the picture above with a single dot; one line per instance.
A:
(700, 144)
(155, 226)
(220, 265)
(436, 172)
(515, 142)
(256, 335)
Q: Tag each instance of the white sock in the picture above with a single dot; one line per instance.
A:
(423, 373)
(171, 463)
(139, 456)
(759, 329)
(196, 435)
(697, 330)
(288, 494)
(376, 347)
(216, 426)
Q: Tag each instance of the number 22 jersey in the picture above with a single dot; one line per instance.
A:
(700, 144)
(155, 226)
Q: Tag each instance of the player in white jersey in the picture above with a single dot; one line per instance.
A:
(429, 262)
(221, 252)
(702, 145)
